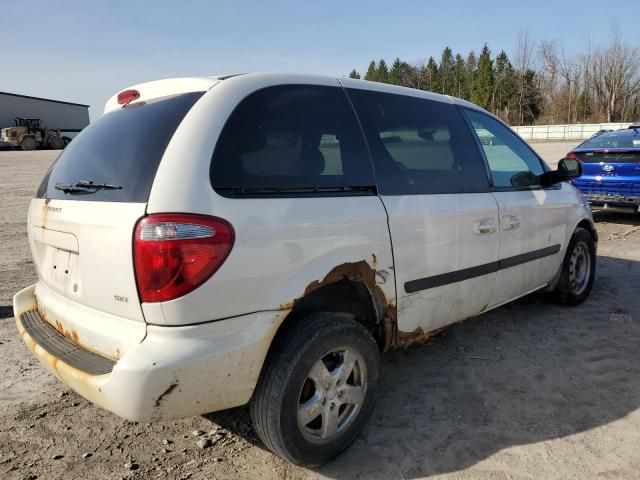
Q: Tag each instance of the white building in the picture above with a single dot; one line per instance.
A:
(67, 116)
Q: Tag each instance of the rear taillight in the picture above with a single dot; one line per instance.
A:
(176, 253)
(571, 155)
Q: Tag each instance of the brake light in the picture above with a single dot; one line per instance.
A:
(176, 253)
(127, 96)
(571, 155)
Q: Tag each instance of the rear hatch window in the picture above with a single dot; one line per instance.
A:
(119, 152)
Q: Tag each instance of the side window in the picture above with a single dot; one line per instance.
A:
(293, 138)
(511, 161)
(419, 146)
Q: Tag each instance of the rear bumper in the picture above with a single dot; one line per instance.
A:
(610, 193)
(612, 199)
(175, 372)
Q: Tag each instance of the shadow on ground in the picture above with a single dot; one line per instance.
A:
(623, 218)
(6, 311)
(525, 373)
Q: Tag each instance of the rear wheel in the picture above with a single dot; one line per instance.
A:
(578, 269)
(28, 143)
(317, 389)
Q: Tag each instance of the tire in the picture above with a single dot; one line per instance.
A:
(578, 269)
(317, 345)
(56, 143)
(28, 144)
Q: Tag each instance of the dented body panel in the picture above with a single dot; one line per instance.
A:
(174, 372)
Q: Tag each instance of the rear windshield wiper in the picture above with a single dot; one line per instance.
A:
(85, 186)
(97, 185)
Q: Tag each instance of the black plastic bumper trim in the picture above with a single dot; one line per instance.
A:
(62, 348)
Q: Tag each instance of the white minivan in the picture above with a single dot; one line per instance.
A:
(215, 241)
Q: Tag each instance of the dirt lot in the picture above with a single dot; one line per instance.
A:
(530, 390)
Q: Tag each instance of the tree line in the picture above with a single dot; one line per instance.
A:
(542, 85)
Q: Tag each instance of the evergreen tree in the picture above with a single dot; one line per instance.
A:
(458, 78)
(372, 72)
(396, 72)
(483, 83)
(446, 72)
(505, 89)
(532, 98)
(584, 106)
(471, 68)
(430, 75)
(383, 71)
(354, 74)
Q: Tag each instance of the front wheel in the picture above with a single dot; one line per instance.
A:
(317, 389)
(578, 269)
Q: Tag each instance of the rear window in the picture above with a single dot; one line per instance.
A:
(292, 140)
(122, 148)
(614, 140)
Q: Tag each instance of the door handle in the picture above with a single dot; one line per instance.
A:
(484, 226)
(510, 222)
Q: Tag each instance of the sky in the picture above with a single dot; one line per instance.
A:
(85, 51)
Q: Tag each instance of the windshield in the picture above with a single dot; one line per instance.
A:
(121, 149)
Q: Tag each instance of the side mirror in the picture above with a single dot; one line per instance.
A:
(568, 168)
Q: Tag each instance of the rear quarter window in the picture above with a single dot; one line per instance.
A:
(290, 140)
(122, 148)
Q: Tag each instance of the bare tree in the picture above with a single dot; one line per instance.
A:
(524, 55)
(616, 78)
(549, 73)
(570, 73)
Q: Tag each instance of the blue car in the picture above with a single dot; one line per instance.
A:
(611, 169)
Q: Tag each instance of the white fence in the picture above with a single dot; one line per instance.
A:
(576, 131)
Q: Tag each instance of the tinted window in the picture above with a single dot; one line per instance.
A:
(620, 139)
(123, 147)
(418, 145)
(292, 139)
(511, 161)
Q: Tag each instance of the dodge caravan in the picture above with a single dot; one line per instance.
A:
(262, 238)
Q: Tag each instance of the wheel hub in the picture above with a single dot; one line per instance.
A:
(332, 394)
(579, 268)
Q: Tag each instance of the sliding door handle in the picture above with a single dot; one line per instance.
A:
(509, 222)
(484, 226)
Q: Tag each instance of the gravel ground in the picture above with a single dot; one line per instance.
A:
(530, 390)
